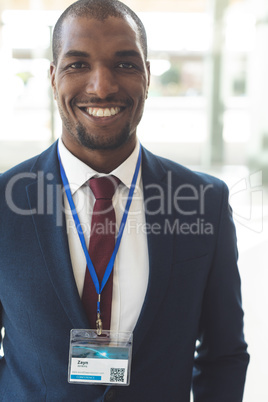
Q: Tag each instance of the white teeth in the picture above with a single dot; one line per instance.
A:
(107, 112)
(98, 112)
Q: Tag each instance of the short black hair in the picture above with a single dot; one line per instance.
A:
(99, 10)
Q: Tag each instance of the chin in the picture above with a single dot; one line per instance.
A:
(96, 143)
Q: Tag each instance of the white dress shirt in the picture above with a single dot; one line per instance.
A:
(131, 268)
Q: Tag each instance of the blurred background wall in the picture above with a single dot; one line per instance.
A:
(207, 109)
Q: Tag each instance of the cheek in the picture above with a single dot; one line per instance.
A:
(139, 94)
(67, 89)
(64, 98)
(140, 100)
(138, 112)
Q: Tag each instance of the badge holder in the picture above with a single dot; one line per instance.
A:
(100, 359)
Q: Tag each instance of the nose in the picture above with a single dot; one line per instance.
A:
(102, 82)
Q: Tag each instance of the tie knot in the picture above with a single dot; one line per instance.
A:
(104, 187)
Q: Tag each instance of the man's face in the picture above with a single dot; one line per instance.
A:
(100, 82)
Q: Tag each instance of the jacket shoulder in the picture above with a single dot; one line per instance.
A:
(30, 165)
(181, 174)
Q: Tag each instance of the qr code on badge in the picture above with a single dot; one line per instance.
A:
(117, 374)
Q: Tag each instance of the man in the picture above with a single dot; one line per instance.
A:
(175, 282)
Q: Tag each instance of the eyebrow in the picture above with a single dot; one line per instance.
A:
(120, 53)
(128, 53)
(76, 53)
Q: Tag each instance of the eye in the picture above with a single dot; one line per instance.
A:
(127, 66)
(77, 65)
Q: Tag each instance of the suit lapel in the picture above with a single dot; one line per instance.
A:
(46, 197)
(156, 188)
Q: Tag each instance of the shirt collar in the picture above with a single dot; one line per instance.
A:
(78, 173)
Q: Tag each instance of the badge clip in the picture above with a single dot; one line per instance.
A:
(99, 324)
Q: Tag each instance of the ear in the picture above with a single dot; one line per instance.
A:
(52, 78)
(148, 67)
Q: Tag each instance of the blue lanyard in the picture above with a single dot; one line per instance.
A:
(110, 265)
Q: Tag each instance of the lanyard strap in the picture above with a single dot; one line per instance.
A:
(110, 265)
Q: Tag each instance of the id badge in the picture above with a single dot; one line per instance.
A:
(100, 359)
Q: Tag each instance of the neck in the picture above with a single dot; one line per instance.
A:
(103, 161)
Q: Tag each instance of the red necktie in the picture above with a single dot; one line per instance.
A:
(101, 247)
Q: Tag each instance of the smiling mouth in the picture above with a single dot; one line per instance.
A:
(103, 112)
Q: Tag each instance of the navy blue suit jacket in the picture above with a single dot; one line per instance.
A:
(193, 292)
